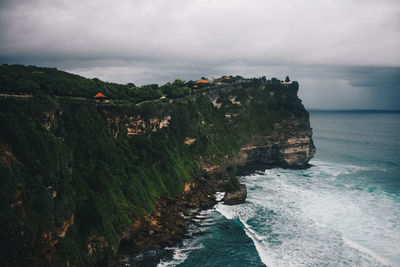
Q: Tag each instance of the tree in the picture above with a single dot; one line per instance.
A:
(178, 83)
(190, 83)
(287, 79)
(274, 80)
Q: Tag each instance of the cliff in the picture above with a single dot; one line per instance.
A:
(289, 146)
(235, 197)
(81, 177)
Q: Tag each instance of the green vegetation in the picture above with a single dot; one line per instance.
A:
(232, 183)
(62, 156)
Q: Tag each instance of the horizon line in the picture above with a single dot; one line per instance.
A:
(354, 110)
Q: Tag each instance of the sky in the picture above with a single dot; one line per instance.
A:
(344, 53)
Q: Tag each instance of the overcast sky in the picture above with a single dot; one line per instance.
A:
(344, 53)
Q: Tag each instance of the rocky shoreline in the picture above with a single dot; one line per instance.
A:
(236, 197)
(168, 224)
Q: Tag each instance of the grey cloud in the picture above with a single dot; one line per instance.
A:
(337, 48)
(332, 32)
(374, 77)
(347, 87)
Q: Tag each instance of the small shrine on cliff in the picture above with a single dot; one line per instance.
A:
(99, 97)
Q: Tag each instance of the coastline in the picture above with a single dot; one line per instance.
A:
(289, 146)
(169, 223)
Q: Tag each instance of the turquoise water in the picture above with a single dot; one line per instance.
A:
(343, 211)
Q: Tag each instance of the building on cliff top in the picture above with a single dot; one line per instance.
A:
(100, 98)
(286, 83)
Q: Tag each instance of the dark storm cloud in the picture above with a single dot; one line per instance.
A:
(375, 77)
(382, 85)
(351, 87)
(332, 47)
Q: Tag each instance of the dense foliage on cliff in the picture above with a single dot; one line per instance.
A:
(78, 170)
(74, 170)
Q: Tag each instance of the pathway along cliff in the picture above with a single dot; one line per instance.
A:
(83, 180)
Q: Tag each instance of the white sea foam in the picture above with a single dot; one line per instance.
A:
(179, 256)
(367, 251)
(311, 217)
(219, 196)
(231, 212)
(182, 250)
(180, 253)
(307, 218)
(260, 249)
(336, 169)
(225, 210)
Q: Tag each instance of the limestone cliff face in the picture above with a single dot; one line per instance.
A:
(136, 125)
(289, 146)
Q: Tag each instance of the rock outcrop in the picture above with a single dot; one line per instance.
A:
(236, 197)
(289, 146)
(168, 223)
(136, 125)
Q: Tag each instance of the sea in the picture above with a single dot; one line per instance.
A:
(343, 211)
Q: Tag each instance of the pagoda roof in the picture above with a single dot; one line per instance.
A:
(99, 95)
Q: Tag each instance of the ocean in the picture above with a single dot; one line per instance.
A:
(343, 211)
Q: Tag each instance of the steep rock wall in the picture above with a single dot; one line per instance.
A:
(289, 146)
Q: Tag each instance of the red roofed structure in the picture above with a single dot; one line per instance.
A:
(99, 95)
(202, 81)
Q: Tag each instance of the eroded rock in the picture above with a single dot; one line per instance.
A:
(236, 197)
